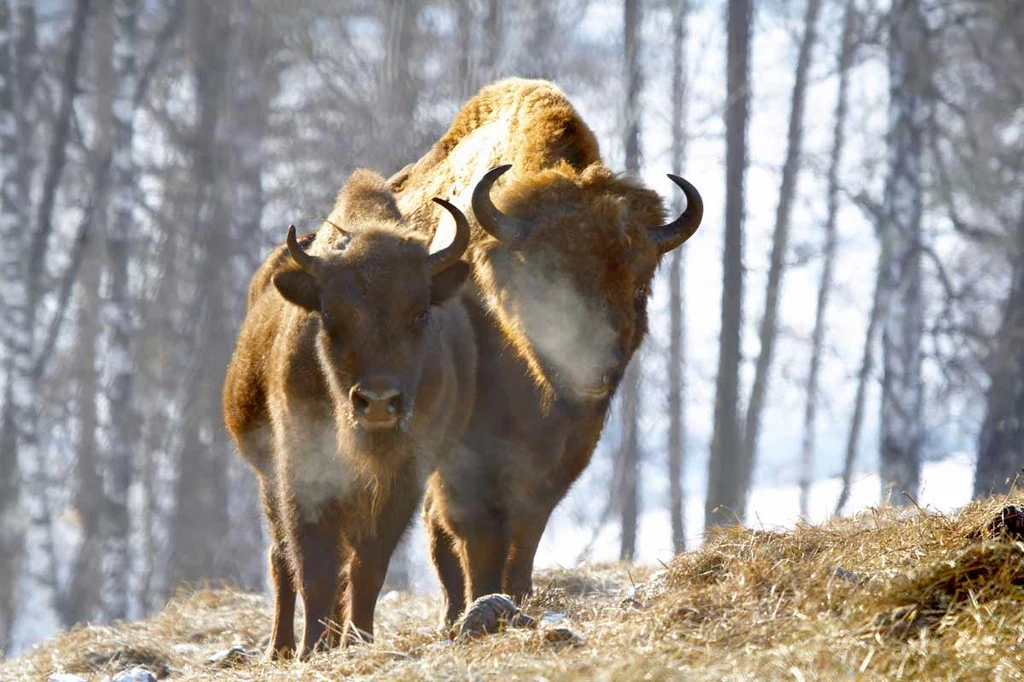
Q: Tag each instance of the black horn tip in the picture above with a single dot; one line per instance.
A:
(497, 171)
(671, 235)
(693, 198)
(683, 184)
(446, 257)
(455, 211)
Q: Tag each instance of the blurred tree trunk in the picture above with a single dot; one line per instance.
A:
(466, 64)
(21, 295)
(199, 524)
(677, 298)
(120, 375)
(15, 358)
(399, 86)
(158, 342)
(726, 497)
(629, 450)
(254, 80)
(27, 69)
(828, 261)
(769, 329)
(902, 314)
(493, 48)
(867, 364)
(82, 598)
(1001, 442)
(541, 29)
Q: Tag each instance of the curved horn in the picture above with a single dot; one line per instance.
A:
(671, 235)
(308, 263)
(439, 261)
(503, 227)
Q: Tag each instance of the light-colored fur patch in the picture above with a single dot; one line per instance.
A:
(314, 469)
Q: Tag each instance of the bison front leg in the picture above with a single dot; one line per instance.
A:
(449, 571)
(371, 555)
(483, 559)
(444, 553)
(519, 570)
(282, 637)
(318, 551)
(335, 634)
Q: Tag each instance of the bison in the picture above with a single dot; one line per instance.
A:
(352, 379)
(563, 253)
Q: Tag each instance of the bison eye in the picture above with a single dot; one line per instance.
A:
(641, 293)
(420, 318)
(328, 320)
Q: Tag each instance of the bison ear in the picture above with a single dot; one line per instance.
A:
(298, 287)
(447, 283)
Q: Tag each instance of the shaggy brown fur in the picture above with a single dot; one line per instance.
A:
(570, 301)
(352, 380)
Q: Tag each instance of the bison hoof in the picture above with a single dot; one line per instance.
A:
(1009, 524)
(488, 614)
(284, 653)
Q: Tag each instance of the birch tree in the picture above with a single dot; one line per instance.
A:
(22, 295)
(808, 443)
(628, 493)
(15, 346)
(1000, 447)
(81, 599)
(726, 497)
(768, 331)
(200, 516)
(120, 375)
(902, 315)
(1001, 441)
(677, 298)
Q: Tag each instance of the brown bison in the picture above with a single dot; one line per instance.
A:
(352, 379)
(563, 254)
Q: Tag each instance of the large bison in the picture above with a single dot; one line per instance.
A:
(352, 379)
(563, 254)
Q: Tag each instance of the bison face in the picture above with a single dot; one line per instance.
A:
(568, 272)
(576, 308)
(375, 297)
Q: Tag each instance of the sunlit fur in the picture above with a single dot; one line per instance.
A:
(334, 492)
(590, 225)
(556, 317)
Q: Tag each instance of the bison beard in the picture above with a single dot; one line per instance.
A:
(563, 255)
(352, 379)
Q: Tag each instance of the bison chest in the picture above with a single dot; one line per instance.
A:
(310, 462)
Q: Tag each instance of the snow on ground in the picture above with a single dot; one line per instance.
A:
(946, 485)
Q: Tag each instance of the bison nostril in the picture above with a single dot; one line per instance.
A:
(361, 404)
(375, 401)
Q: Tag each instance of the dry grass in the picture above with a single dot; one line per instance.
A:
(886, 595)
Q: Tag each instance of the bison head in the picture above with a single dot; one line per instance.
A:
(374, 293)
(568, 272)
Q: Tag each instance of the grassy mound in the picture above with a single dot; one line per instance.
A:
(886, 595)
